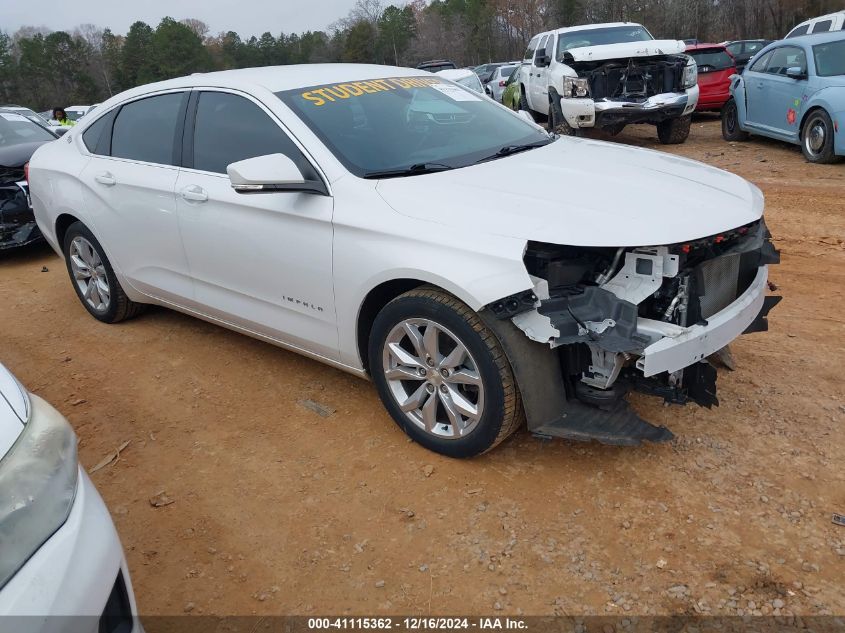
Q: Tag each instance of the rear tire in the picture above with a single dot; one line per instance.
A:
(434, 363)
(93, 278)
(817, 138)
(730, 123)
(674, 131)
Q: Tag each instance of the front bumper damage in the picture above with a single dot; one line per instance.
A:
(17, 221)
(598, 325)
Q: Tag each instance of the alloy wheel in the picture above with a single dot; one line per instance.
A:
(89, 273)
(815, 136)
(433, 378)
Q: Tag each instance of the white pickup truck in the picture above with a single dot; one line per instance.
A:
(607, 76)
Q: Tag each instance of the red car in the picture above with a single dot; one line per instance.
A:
(715, 67)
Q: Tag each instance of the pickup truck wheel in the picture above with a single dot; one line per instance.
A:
(730, 123)
(93, 277)
(442, 374)
(557, 122)
(817, 138)
(674, 131)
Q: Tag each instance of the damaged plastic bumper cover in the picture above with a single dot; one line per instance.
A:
(17, 222)
(678, 347)
(599, 323)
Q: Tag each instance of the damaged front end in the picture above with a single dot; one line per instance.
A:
(613, 320)
(17, 221)
(638, 89)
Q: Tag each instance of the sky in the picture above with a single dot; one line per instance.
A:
(247, 17)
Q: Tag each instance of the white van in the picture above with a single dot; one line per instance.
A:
(824, 24)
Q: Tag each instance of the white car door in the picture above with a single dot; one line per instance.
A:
(128, 190)
(538, 82)
(260, 261)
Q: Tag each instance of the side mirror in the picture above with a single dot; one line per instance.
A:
(796, 72)
(541, 59)
(60, 131)
(273, 172)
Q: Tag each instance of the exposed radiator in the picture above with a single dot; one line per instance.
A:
(720, 276)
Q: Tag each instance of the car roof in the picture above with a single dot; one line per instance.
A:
(277, 78)
(453, 74)
(812, 39)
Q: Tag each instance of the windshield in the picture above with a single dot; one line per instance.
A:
(712, 59)
(398, 122)
(507, 71)
(74, 115)
(599, 37)
(830, 58)
(16, 129)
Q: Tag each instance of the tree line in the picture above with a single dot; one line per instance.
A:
(42, 68)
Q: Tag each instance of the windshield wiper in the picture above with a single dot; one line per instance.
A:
(413, 170)
(507, 150)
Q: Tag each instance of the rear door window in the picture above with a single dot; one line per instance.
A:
(801, 30)
(822, 27)
(532, 46)
(145, 130)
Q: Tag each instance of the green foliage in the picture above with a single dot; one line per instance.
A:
(360, 43)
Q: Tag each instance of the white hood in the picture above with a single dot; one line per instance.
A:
(647, 48)
(582, 192)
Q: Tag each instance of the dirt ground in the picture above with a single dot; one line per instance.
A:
(277, 510)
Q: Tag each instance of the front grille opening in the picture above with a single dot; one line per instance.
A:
(117, 614)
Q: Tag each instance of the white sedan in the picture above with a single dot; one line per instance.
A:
(60, 557)
(400, 227)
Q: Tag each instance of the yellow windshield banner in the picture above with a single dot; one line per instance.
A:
(339, 92)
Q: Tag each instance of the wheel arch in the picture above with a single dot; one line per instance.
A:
(63, 223)
(378, 297)
(814, 106)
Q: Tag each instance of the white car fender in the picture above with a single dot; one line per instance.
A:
(383, 245)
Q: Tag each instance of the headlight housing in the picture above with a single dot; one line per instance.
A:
(38, 478)
(690, 77)
(575, 88)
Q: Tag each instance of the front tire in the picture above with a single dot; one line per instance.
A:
(442, 374)
(817, 138)
(93, 278)
(557, 122)
(674, 131)
(730, 123)
(523, 101)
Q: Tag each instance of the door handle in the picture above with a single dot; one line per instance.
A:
(105, 178)
(194, 193)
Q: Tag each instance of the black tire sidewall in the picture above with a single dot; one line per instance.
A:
(109, 315)
(729, 113)
(486, 432)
